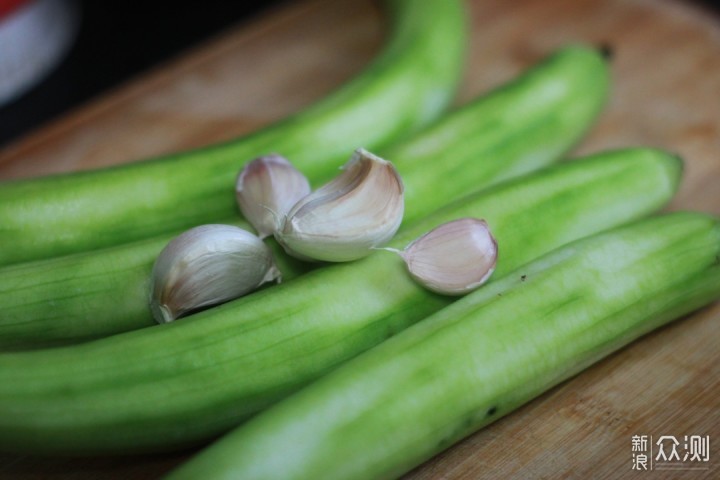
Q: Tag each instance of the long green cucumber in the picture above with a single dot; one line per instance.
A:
(181, 383)
(410, 83)
(388, 410)
(103, 292)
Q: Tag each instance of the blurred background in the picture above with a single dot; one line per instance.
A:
(57, 54)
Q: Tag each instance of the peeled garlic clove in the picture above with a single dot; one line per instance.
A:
(454, 258)
(359, 210)
(266, 189)
(205, 266)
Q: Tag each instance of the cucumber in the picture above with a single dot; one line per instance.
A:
(409, 84)
(98, 293)
(178, 384)
(388, 410)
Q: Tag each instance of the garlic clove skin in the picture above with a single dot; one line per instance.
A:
(453, 258)
(205, 266)
(345, 219)
(266, 189)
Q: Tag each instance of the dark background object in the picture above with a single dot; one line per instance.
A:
(117, 40)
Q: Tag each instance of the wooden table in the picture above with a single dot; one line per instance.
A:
(666, 72)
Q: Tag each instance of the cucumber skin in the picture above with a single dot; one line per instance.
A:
(390, 409)
(178, 384)
(103, 292)
(410, 83)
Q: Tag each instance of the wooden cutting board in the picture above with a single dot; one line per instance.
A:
(666, 72)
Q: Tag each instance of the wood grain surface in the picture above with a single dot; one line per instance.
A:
(666, 93)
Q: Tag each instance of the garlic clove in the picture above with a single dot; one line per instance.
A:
(205, 266)
(453, 258)
(345, 219)
(266, 189)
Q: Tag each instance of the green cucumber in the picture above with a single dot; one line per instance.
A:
(388, 410)
(102, 292)
(408, 85)
(181, 383)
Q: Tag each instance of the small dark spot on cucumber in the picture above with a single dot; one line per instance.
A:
(523, 277)
(606, 50)
(491, 411)
(444, 443)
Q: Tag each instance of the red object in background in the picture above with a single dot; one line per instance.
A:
(8, 6)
